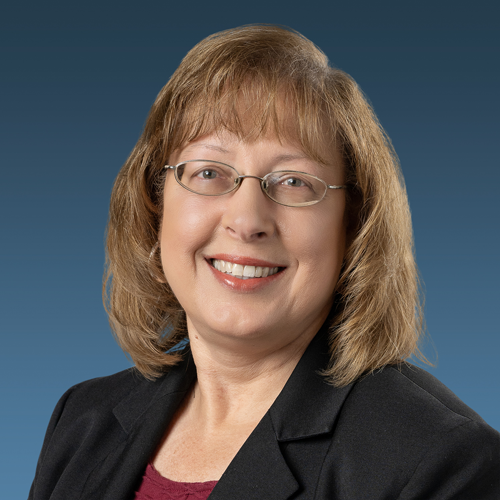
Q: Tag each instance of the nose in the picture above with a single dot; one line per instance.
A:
(248, 214)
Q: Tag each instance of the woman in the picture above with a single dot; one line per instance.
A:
(262, 216)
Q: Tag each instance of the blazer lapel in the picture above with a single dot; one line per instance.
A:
(259, 471)
(306, 408)
(144, 416)
(294, 435)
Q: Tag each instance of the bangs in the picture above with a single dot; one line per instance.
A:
(251, 104)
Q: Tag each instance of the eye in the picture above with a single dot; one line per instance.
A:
(208, 174)
(210, 178)
(294, 182)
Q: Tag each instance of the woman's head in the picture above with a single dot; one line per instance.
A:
(296, 251)
(252, 83)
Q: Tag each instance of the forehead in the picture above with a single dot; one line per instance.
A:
(287, 133)
(227, 146)
(226, 142)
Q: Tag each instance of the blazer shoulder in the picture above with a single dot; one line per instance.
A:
(408, 436)
(414, 380)
(102, 392)
(409, 404)
(90, 421)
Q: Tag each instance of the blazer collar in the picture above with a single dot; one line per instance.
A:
(168, 389)
(306, 407)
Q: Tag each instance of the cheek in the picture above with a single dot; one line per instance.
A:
(321, 253)
(187, 226)
(324, 235)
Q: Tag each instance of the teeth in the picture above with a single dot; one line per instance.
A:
(249, 271)
(243, 272)
(237, 270)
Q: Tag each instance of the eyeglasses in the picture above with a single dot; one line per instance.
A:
(286, 187)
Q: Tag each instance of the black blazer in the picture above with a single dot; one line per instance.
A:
(396, 434)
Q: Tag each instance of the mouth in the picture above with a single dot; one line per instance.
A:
(244, 272)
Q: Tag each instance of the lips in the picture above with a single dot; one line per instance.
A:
(242, 273)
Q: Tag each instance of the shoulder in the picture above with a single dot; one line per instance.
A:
(411, 407)
(105, 401)
(90, 405)
(123, 396)
(102, 392)
(412, 390)
(402, 422)
(99, 407)
(94, 419)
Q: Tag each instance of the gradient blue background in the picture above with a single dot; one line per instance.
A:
(77, 83)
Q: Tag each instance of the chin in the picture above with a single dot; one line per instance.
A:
(235, 328)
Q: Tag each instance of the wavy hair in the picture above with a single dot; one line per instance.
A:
(268, 73)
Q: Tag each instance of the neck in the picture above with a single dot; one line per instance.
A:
(240, 384)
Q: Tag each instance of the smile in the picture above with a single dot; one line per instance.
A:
(243, 272)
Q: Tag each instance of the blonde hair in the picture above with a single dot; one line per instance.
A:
(265, 72)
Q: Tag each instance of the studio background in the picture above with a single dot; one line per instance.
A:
(77, 83)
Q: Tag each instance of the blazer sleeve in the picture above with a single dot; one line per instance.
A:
(464, 464)
(42, 484)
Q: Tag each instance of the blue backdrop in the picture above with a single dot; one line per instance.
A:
(77, 83)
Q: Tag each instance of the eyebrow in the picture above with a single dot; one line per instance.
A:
(290, 157)
(281, 158)
(212, 147)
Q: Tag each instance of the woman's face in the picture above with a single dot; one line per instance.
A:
(246, 228)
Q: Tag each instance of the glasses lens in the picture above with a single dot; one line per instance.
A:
(296, 189)
(209, 178)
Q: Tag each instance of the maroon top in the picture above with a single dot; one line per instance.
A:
(156, 487)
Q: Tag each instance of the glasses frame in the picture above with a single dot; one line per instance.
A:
(238, 182)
